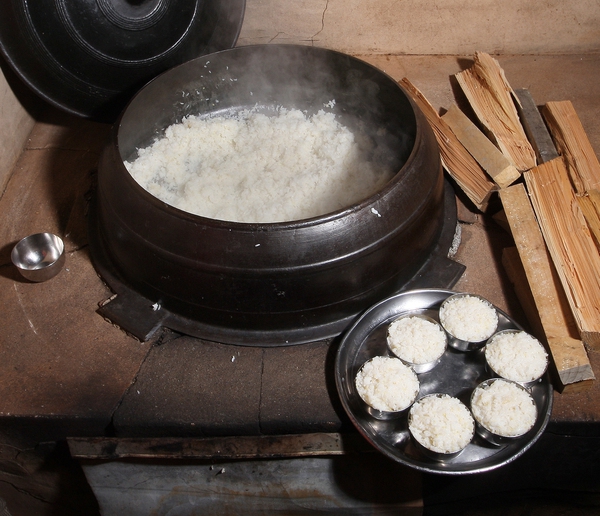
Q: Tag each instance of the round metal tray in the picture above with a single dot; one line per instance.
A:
(457, 374)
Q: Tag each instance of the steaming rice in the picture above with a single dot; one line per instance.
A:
(416, 340)
(386, 384)
(469, 318)
(516, 356)
(258, 168)
(441, 423)
(504, 408)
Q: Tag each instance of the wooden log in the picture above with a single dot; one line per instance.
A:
(567, 352)
(534, 126)
(573, 144)
(496, 164)
(462, 167)
(491, 97)
(570, 244)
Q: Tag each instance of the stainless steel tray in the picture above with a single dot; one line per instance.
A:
(457, 374)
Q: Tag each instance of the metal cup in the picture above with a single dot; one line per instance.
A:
(39, 257)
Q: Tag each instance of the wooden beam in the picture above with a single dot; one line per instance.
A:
(570, 244)
(218, 448)
(560, 330)
(496, 164)
(462, 167)
(491, 97)
(573, 144)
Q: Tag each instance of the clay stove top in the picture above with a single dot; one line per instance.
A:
(68, 370)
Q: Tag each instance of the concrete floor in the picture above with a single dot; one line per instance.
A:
(67, 372)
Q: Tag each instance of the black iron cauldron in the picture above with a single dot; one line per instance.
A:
(273, 283)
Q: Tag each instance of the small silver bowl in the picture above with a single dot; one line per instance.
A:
(39, 257)
(457, 342)
(423, 367)
(383, 414)
(487, 434)
(492, 372)
(428, 452)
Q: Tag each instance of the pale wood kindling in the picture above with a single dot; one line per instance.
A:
(590, 206)
(573, 144)
(458, 162)
(491, 97)
(570, 244)
(496, 164)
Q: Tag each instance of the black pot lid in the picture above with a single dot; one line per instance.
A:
(88, 57)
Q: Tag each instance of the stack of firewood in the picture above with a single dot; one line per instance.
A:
(540, 163)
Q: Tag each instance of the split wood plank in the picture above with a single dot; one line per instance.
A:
(496, 164)
(559, 328)
(570, 244)
(457, 161)
(573, 144)
(590, 206)
(491, 97)
(518, 278)
(535, 127)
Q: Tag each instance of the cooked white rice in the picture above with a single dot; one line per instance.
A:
(258, 168)
(504, 408)
(441, 423)
(416, 340)
(468, 318)
(386, 384)
(516, 356)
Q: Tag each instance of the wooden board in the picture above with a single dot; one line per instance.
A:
(569, 243)
(218, 448)
(457, 161)
(491, 97)
(573, 144)
(496, 164)
(559, 329)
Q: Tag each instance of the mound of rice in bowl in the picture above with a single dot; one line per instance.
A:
(468, 317)
(504, 408)
(386, 384)
(258, 167)
(441, 423)
(517, 356)
(416, 339)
